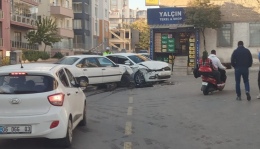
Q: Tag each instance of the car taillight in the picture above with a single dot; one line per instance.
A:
(54, 124)
(56, 99)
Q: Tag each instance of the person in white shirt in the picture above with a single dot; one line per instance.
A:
(217, 64)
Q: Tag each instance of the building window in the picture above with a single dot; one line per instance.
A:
(77, 7)
(86, 25)
(78, 41)
(77, 24)
(86, 8)
(68, 23)
(96, 11)
(254, 39)
(17, 36)
(225, 36)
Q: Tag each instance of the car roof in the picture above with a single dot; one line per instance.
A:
(124, 54)
(32, 67)
(84, 56)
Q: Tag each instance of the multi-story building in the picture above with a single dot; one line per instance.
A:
(82, 24)
(61, 11)
(241, 21)
(103, 23)
(16, 18)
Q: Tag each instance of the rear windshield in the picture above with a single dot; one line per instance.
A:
(67, 60)
(28, 84)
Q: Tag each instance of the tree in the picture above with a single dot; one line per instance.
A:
(46, 32)
(144, 30)
(202, 15)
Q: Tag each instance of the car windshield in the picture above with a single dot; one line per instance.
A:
(67, 60)
(138, 58)
(26, 84)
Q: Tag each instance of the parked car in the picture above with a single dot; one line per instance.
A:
(40, 101)
(97, 69)
(145, 70)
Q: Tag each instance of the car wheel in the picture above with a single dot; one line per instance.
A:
(83, 122)
(125, 80)
(67, 141)
(139, 78)
(85, 88)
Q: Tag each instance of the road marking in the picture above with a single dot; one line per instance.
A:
(127, 145)
(128, 128)
(131, 100)
(130, 111)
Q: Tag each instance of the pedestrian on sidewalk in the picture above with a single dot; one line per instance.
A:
(241, 60)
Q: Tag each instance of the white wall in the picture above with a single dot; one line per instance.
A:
(241, 32)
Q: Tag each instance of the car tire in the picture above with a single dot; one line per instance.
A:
(139, 79)
(84, 88)
(125, 80)
(67, 141)
(83, 122)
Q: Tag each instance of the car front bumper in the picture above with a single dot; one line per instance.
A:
(40, 125)
(157, 76)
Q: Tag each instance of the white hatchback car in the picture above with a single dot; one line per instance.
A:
(40, 101)
(97, 69)
(145, 70)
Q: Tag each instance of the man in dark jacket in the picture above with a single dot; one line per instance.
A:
(241, 60)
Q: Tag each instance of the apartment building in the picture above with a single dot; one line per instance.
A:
(241, 20)
(103, 38)
(16, 18)
(82, 24)
(61, 11)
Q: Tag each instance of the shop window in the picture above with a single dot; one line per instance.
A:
(225, 36)
(254, 39)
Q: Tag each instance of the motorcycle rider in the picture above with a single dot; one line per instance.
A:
(217, 64)
(207, 68)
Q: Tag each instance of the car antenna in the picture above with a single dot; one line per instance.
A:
(21, 62)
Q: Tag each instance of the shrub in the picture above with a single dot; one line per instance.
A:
(5, 61)
(31, 55)
(44, 55)
(58, 55)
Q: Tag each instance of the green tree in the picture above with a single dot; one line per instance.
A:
(144, 31)
(202, 15)
(46, 32)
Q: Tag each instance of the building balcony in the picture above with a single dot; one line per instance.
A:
(32, 2)
(61, 11)
(66, 32)
(26, 22)
(62, 46)
(22, 45)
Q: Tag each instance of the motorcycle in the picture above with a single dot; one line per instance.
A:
(209, 84)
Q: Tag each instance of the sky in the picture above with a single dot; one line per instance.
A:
(133, 4)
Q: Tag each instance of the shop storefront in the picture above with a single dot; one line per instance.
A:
(170, 38)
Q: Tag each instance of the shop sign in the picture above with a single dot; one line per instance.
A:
(151, 2)
(157, 16)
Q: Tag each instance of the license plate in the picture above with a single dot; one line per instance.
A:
(25, 129)
(204, 83)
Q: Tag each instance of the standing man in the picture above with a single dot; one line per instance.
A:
(107, 52)
(217, 64)
(241, 60)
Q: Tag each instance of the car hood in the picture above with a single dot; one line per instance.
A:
(154, 65)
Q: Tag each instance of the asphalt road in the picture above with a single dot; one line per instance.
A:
(175, 116)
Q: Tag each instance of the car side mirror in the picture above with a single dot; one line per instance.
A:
(127, 63)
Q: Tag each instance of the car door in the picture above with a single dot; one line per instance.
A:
(111, 72)
(91, 69)
(69, 92)
(79, 95)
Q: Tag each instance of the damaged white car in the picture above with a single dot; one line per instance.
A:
(145, 70)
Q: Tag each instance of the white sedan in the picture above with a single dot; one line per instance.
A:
(40, 101)
(145, 70)
(97, 69)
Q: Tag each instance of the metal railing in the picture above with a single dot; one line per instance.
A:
(61, 5)
(62, 46)
(23, 45)
(23, 19)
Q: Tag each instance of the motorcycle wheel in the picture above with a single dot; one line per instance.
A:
(206, 90)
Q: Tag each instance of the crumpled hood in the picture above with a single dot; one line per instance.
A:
(154, 65)
(211, 55)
